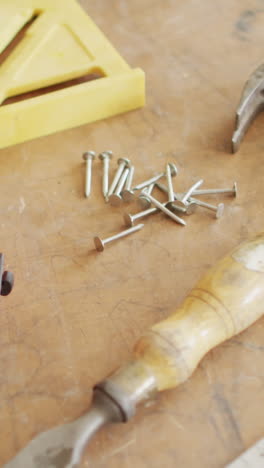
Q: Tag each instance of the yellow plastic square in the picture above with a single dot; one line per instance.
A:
(60, 44)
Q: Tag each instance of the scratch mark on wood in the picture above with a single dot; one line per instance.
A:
(122, 448)
(226, 410)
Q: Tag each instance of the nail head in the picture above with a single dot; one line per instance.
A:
(98, 244)
(88, 155)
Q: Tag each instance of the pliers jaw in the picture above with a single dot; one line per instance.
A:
(251, 103)
(6, 279)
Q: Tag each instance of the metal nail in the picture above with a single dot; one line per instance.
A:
(190, 191)
(130, 219)
(105, 157)
(122, 164)
(164, 189)
(166, 210)
(219, 209)
(174, 172)
(183, 201)
(115, 199)
(143, 200)
(127, 193)
(232, 191)
(170, 186)
(100, 243)
(88, 157)
(187, 208)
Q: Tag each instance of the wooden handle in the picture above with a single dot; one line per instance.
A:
(228, 299)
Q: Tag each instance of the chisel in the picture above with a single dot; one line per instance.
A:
(225, 301)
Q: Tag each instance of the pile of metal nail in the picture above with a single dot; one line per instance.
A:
(121, 190)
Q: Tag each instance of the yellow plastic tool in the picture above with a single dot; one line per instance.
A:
(54, 47)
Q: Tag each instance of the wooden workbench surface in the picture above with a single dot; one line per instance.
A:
(75, 314)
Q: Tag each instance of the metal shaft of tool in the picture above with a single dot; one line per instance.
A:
(191, 190)
(219, 209)
(170, 184)
(165, 210)
(125, 233)
(116, 178)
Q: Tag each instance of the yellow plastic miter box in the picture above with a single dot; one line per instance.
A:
(57, 71)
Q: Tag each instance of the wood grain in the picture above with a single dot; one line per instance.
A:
(74, 314)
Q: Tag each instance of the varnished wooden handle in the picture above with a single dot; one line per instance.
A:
(228, 299)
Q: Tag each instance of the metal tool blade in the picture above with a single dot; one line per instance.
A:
(251, 103)
(63, 446)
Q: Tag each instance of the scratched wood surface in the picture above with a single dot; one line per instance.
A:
(74, 314)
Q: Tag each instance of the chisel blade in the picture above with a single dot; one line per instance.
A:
(63, 446)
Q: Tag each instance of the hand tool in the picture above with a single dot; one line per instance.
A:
(58, 71)
(6, 279)
(227, 300)
(252, 458)
(251, 103)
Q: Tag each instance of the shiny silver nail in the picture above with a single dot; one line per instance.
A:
(165, 210)
(130, 219)
(105, 158)
(170, 186)
(88, 157)
(127, 193)
(218, 209)
(188, 208)
(232, 191)
(100, 243)
(143, 199)
(174, 172)
(182, 202)
(115, 199)
(122, 164)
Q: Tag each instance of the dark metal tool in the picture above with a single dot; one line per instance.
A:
(227, 300)
(6, 279)
(251, 103)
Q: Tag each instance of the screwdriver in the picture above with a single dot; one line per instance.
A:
(227, 300)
